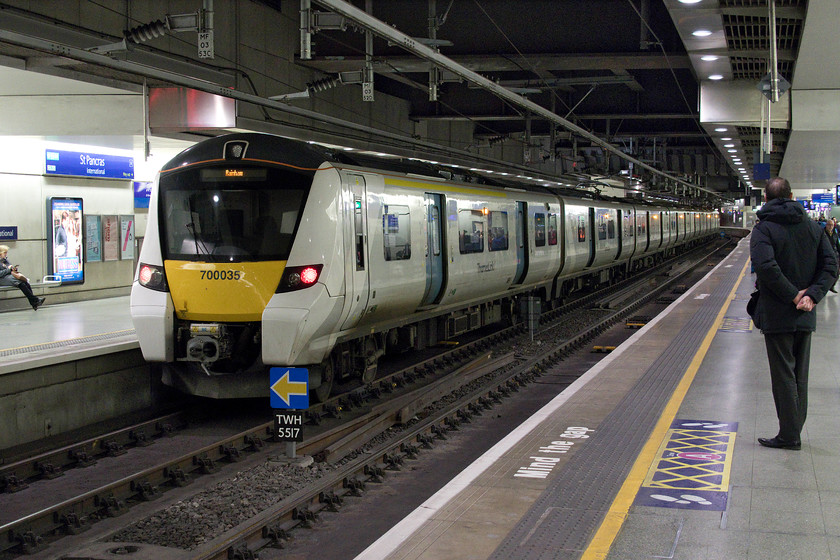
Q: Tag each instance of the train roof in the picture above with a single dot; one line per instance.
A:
(307, 158)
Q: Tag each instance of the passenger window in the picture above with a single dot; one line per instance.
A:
(610, 227)
(552, 229)
(628, 225)
(581, 229)
(396, 232)
(471, 231)
(539, 229)
(498, 231)
(602, 225)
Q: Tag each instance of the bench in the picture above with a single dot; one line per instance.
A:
(48, 281)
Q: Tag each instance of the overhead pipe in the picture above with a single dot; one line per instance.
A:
(774, 55)
(415, 47)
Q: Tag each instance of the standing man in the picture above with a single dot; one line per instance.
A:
(795, 266)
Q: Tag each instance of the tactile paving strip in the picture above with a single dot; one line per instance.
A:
(65, 343)
(562, 521)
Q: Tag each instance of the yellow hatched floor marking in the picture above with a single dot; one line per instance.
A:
(674, 468)
(599, 547)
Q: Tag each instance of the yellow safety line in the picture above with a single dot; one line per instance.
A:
(599, 547)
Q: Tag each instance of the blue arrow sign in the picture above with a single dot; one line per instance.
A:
(289, 387)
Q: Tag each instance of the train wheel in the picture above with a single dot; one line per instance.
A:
(322, 392)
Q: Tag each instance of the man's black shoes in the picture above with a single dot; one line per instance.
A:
(38, 304)
(779, 443)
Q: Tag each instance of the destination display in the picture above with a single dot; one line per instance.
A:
(84, 164)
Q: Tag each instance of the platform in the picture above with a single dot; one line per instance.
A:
(58, 332)
(653, 453)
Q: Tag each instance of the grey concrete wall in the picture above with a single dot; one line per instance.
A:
(47, 401)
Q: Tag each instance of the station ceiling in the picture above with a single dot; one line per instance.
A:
(628, 72)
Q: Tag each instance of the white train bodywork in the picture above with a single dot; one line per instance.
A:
(400, 261)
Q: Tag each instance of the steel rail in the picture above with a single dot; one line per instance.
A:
(274, 525)
(72, 516)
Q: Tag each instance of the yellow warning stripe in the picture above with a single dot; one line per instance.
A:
(599, 547)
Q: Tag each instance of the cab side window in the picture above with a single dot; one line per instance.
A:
(396, 232)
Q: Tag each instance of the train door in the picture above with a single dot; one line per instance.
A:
(592, 227)
(521, 242)
(434, 249)
(620, 234)
(358, 285)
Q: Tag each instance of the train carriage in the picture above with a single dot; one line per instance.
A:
(262, 251)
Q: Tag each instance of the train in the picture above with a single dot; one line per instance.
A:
(261, 251)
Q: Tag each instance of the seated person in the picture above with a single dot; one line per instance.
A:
(9, 276)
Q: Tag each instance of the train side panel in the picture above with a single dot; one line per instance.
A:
(628, 233)
(480, 239)
(397, 233)
(296, 323)
(577, 233)
(605, 232)
(152, 311)
(544, 237)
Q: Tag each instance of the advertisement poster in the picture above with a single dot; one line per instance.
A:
(110, 238)
(127, 237)
(93, 239)
(142, 193)
(65, 218)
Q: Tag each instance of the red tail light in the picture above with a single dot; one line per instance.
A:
(299, 277)
(308, 275)
(152, 277)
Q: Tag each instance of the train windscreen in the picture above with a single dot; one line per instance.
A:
(231, 214)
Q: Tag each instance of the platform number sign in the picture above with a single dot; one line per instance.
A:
(289, 388)
(205, 45)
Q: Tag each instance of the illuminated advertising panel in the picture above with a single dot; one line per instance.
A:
(65, 236)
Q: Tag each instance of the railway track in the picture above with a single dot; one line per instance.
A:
(363, 433)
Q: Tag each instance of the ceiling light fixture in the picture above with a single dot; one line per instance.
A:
(721, 129)
(709, 57)
(716, 77)
(729, 145)
(701, 33)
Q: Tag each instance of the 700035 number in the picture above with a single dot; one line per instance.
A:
(220, 275)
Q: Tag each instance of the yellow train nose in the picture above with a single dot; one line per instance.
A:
(235, 292)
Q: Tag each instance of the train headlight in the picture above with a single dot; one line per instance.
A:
(152, 277)
(299, 277)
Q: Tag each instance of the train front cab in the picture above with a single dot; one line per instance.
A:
(218, 241)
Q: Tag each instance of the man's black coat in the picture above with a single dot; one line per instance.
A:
(789, 252)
